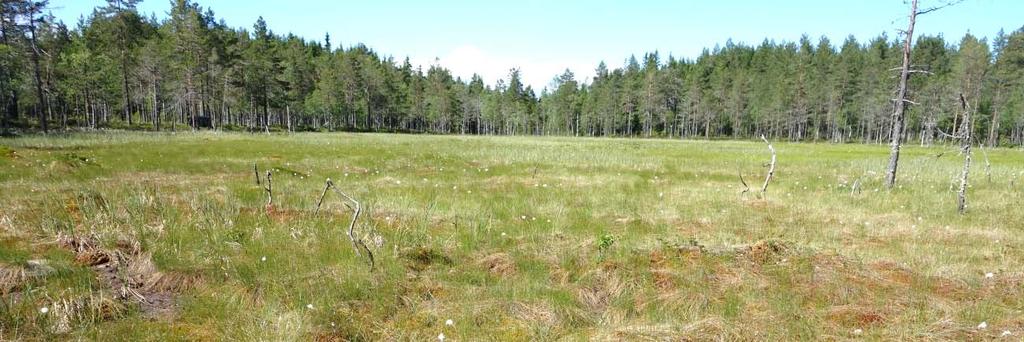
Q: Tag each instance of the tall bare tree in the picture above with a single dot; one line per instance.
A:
(900, 105)
(901, 101)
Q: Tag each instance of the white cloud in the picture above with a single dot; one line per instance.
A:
(465, 60)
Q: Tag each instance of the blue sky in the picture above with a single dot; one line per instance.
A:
(545, 37)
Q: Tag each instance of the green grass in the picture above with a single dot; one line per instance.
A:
(511, 238)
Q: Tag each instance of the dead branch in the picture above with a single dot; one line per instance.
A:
(907, 101)
(256, 170)
(746, 188)
(357, 242)
(270, 190)
(322, 194)
(771, 166)
(936, 8)
(913, 71)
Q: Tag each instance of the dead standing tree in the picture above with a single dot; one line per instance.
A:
(900, 105)
(270, 192)
(771, 166)
(965, 145)
(901, 101)
(357, 242)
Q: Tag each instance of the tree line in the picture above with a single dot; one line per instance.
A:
(120, 69)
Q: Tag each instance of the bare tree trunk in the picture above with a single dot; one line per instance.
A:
(965, 145)
(771, 166)
(896, 134)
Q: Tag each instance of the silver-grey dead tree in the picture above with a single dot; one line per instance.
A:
(965, 145)
(901, 101)
(771, 166)
(900, 105)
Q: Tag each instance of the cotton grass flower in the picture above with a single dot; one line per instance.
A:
(44, 310)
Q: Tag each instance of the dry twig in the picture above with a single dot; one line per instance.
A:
(771, 166)
(356, 208)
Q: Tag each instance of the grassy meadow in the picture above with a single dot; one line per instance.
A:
(167, 237)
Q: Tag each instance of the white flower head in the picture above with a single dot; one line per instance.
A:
(858, 331)
(440, 337)
(263, 259)
(449, 322)
(983, 325)
(309, 306)
(1006, 333)
(990, 275)
(44, 310)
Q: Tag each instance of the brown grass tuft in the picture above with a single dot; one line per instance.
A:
(536, 313)
(11, 278)
(856, 315)
(766, 251)
(500, 264)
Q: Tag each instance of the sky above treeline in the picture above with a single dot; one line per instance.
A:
(543, 38)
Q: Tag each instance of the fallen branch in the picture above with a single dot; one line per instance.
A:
(771, 167)
(357, 242)
(322, 194)
(746, 188)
